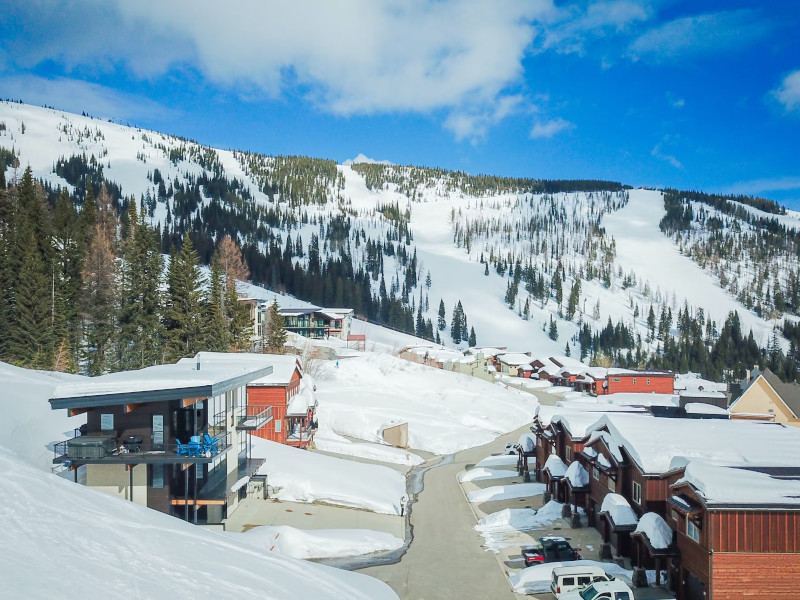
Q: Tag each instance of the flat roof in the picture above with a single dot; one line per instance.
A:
(160, 383)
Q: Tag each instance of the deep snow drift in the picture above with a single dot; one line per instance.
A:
(62, 540)
(318, 543)
(302, 476)
(446, 412)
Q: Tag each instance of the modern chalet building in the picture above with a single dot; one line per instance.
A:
(170, 437)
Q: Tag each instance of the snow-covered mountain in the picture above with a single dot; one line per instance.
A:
(500, 247)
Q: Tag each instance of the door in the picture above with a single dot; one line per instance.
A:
(695, 589)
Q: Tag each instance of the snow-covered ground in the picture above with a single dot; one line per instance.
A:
(497, 460)
(318, 543)
(642, 248)
(483, 474)
(506, 492)
(446, 412)
(507, 527)
(62, 540)
(28, 425)
(329, 441)
(302, 476)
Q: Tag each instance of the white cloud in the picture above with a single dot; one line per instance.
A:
(771, 184)
(675, 101)
(788, 92)
(658, 153)
(550, 128)
(78, 96)
(572, 27)
(709, 32)
(474, 122)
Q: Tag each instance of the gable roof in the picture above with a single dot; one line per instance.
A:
(788, 392)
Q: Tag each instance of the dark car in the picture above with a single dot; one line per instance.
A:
(550, 549)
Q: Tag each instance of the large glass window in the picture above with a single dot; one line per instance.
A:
(637, 493)
(692, 530)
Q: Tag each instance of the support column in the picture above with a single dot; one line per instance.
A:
(195, 493)
(130, 482)
(186, 494)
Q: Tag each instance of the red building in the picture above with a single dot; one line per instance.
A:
(293, 402)
(630, 381)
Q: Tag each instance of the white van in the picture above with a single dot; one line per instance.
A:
(566, 579)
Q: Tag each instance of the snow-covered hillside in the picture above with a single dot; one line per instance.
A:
(477, 243)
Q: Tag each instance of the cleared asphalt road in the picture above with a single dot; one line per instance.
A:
(445, 561)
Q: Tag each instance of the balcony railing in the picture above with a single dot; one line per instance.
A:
(255, 417)
(108, 449)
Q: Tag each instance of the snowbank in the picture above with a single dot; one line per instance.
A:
(656, 529)
(124, 550)
(28, 425)
(328, 441)
(446, 412)
(303, 476)
(318, 543)
(536, 579)
(498, 460)
(501, 529)
(506, 492)
(482, 474)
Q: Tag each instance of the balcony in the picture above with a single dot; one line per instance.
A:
(107, 449)
(255, 417)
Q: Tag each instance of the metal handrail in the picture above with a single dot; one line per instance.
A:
(114, 448)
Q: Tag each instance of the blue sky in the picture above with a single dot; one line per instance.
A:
(700, 95)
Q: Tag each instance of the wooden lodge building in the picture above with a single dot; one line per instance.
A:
(637, 466)
(169, 437)
(291, 398)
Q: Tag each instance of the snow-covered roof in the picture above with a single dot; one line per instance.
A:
(514, 359)
(658, 445)
(249, 291)
(283, 368)
(701, 408)
(576, 422)
(577, 475)
(692, 382)
(619, 510)
(570, 364)
(555, 466)
(701, 394)
(656, 529)
(304, 400)
(640, 399)
(750, 485)
(183, 379)
(527, 442)
(577, 409)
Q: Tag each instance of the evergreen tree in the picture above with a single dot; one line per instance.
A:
(217, 333)
(183, 311)
(574, 298)
(442, 324)
(553, 331)
(30, 336)
(275, 331)
(456, 324)
(472, 339)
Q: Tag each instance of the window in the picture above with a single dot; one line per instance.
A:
(616, 380)
(622, 596)
(568, 581)
(637, 493)
(648, 381)
(692, 530)
(277, 425)
(596, 473)
(158, 476)
(106, 422)
(634, 381)
(568, 454)
(612, 485)
(582, 581)
(674, 515)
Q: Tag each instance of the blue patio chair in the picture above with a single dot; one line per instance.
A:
(183, 449)
(195, 446)
(210, 445)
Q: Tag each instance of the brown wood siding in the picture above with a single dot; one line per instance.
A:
(739, 576)
(756, 532)
(694, 557)
(137, 422)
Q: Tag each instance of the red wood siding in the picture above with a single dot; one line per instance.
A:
(659, 384)
(756, 532)
(278, 398)
(694, 558)
(738, 576)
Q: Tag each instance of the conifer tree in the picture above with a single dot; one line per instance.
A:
(275, 330)
(553, 331)
(442, 323)
(183, 311)
(455, 324)
(472, 339)
(217, 332)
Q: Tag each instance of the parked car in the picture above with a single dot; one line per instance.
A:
(550, 549)
(566, 579)
(601, 590)
(511, 448)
